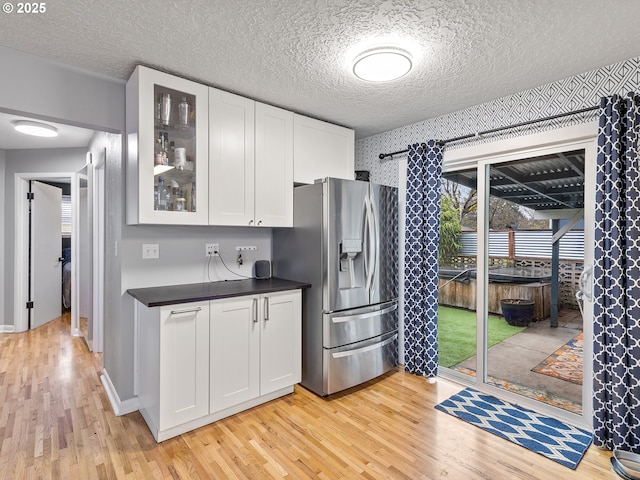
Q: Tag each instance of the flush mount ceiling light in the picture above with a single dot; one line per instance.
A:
(382, 64)
(35, 128)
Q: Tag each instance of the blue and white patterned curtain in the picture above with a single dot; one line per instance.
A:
(424, 172)
(616, 330)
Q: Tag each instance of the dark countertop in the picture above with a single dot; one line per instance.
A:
(198, 292)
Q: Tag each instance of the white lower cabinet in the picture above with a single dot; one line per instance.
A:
(255, 347)
(200, 362)
(173, 367)
(280, 340)
(235, 352)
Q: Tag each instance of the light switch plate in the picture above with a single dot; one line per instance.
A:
(150, 250)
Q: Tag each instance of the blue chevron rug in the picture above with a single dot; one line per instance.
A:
(549, 437)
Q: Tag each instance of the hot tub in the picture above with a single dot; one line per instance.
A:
(457, 288)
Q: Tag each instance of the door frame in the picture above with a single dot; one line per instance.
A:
(99, 174)
(21, 243)
(583, 136)
(85, 174)
(21, 250)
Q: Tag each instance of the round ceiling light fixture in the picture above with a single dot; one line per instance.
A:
(382, 64)
(36, 129)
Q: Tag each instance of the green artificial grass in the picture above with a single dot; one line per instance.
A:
(457, 334)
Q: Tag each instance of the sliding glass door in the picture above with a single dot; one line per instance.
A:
(534, 255)
(457, 273)
(514, 315)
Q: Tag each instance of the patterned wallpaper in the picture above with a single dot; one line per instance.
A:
(565, 95)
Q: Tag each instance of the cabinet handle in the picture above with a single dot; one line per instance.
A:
(250, 222)
(259, 222)
(186, 310)
(255, 310)
(266, 308)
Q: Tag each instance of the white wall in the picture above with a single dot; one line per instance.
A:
(3, 229)
(182, 258)
(54, 91)
(118, 319)
(28, 161)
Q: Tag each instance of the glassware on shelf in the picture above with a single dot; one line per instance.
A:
(180, 203)
(163, 195)
(158, 112)
(174, 161)
(181, 158)
(157, 153)
(183, 112)
(192, 197)
(166, 108)
(164, 144)
(172, 153)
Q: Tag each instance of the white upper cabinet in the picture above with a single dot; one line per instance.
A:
(167, 149)
(197, 155)
(321, 150)
(250, 162)
(273, 167)
(231, 159)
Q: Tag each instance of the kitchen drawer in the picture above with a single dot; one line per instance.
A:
(358, 324)
(359, 362)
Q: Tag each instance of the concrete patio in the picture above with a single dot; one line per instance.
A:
(513, 359)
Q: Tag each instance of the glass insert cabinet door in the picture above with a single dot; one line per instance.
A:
(167, 175)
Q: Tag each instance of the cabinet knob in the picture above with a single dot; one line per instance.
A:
(250, 222)
(259, 222)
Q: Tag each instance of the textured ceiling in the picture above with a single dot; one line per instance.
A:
(297, 53)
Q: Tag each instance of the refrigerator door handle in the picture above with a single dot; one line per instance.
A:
(365, 243)
(370, 253)
(357, 351)
(375, 239)
(375, 313)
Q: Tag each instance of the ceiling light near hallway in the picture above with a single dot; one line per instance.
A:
(382, 64)
(35, 128)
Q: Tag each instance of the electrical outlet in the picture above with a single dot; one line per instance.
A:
(150, 250)
(246, 249)
(211, 249)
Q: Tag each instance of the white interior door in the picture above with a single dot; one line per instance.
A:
(46, 247)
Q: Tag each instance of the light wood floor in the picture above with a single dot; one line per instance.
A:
(56, 423)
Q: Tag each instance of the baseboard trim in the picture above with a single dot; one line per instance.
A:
(7, 328)
(118, 406)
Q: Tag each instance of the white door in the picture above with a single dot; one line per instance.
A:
(46, 248)
(184, 367)
(231, 159)
(280, 341)
(274, 167)
(235, 352)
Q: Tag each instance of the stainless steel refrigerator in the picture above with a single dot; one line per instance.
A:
(345, 244)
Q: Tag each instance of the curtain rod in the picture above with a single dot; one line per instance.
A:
(382, 156)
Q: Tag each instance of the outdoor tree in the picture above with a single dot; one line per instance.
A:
(450, 230)
(464, 200)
